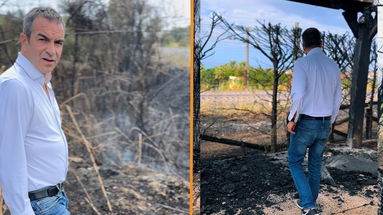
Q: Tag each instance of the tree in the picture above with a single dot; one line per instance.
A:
(204, 44)
(208, 80)
(10, 28)
(177, 36)
(340, 48)
(78, 21)
(280, 47)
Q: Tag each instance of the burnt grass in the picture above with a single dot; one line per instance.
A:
(243, 184)
(131, 190)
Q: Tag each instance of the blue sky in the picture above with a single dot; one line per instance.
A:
(247, 12)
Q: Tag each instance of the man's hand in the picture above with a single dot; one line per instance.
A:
(291, 127)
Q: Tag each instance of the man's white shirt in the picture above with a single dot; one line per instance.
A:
(33, 147)
(316, 86)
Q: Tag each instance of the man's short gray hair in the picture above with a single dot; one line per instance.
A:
(45, 12)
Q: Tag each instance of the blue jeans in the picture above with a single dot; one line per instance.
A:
(55, 205)
(312, 135)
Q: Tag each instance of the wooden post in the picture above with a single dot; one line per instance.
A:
(380, 98)
(368, 123)
(364, 30)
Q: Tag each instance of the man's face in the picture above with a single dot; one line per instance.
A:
(45, 45)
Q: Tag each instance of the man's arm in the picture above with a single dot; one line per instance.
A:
(337, 99)
(15, 115)
(297, 91)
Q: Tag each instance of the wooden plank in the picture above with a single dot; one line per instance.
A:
(339, 133)
(231, 142)
(342, 107)
(359, 76)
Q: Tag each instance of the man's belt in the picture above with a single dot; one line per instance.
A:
(45, 192)
(303, 116)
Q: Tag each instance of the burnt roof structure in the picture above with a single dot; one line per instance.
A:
(357, 5)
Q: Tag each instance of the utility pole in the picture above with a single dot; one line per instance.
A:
(247, 70)
(246, 76)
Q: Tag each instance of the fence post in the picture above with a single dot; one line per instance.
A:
(368, 123)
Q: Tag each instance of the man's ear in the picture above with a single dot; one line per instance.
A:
(321, 44)
(23, 39)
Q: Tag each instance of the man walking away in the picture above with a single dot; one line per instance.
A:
(316, 98)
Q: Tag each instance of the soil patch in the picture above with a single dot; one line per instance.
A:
(258, 183)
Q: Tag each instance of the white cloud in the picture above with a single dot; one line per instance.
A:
(247, 12)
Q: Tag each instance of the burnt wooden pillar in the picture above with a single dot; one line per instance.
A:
(364, 29)
(380, 118)
(196, 94)
(368, 122)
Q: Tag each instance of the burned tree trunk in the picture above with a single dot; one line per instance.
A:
(274, 112)
(280, 47)
(202, 46)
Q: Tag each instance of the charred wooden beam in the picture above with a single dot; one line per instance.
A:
(342, 107)
(351, 17)
(339, 133)
(365, 26)
(231, 142)
(339, 4)
(369, 141)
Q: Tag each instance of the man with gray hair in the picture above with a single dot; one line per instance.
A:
(33, 147)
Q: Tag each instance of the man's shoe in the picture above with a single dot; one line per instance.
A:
(309, 212)
(298, 205)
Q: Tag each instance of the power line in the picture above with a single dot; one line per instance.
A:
(123, 31)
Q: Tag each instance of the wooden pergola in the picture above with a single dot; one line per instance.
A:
(364, 29)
